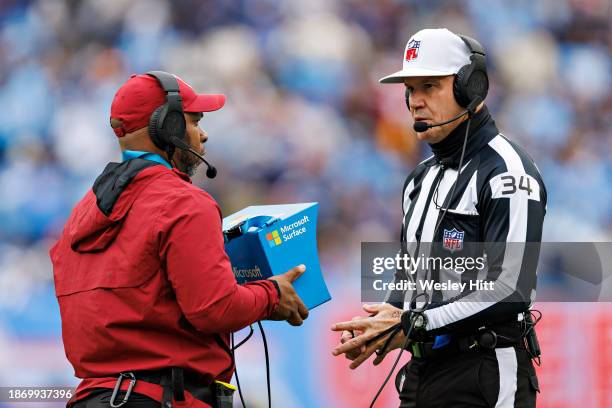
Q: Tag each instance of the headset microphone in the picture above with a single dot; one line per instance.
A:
(420, 126)
(211, 171)
(423, 126)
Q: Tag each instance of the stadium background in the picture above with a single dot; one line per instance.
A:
(305, 120)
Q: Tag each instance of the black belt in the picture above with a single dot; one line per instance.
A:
(485, 339)
(174, 382)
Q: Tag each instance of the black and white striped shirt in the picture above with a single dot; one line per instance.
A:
(500, 202)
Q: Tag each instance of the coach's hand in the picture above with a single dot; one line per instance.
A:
(382, 317)
(290, 306)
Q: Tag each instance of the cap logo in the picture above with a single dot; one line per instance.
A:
(412, 51)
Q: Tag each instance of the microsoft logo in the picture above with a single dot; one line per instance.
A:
(273, 238)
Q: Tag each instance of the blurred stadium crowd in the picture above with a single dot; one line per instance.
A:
(305, 119)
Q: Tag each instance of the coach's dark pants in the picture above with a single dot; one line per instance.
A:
(503, 377)
(101, 399)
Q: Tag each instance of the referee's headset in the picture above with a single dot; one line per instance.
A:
(470, 86)
(167, 125)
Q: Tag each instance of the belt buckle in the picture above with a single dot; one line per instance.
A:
(132, 378)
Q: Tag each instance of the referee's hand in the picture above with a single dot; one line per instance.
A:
(382, 317)
(348, 335)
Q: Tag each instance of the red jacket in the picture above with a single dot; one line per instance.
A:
(148, 285)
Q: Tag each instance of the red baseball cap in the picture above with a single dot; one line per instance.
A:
(140, 95)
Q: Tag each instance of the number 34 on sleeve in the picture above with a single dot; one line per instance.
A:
(509, 184)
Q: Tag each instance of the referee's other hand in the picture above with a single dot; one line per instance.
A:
(382, 317)
(348, 335)
(290, 306)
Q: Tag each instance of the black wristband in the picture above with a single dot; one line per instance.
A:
(277, 287)
(419, 331)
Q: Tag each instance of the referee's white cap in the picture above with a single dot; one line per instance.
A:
(431, 52)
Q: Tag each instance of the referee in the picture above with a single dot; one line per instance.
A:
(479, 195)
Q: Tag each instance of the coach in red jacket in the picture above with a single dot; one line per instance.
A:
(144, 285)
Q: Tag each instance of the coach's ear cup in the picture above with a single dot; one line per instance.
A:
(174, 125)
(153, 128)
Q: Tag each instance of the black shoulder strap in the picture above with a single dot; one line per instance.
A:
(114, 179)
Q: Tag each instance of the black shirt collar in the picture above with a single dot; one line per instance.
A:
(482, 130)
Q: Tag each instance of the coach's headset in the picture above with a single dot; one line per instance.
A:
(471, 81)
(167, 124)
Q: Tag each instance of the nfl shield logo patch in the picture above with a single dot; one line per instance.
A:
(412, 51)
(453, 240)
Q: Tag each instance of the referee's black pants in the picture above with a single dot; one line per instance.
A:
(500, 378)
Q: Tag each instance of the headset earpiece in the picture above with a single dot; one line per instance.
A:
(174, 124)
(153, 132)
(168, 120)
(459, 86)
(471, 80)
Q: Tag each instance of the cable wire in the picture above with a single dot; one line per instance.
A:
(265, 343)
(235, 366)
(245, 339)
(399, 355)
(452, 194)
(412, 308)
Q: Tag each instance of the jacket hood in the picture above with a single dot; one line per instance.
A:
(98, 218)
